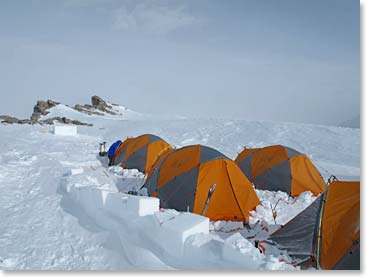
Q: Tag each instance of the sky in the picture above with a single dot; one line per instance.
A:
(284, 60)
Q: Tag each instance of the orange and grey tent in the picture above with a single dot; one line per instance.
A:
(120, 152)
(326, 234)
(183, 178)
(141, 152)
(280, 168)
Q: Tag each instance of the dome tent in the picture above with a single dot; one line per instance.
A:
(119, 153)
(141, 152)
(182, 181)
(280, 168)
(326, 234)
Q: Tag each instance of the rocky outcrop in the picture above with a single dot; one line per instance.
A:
(41, 108)
(11, 120)
(88, 109)
(99, 103)
(99, 107)
(64, 120)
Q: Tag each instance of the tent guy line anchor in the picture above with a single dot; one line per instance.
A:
(274, 211)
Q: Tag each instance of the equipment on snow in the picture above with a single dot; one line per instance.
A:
(102, 149)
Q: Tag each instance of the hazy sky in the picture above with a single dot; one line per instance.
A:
(288, 60)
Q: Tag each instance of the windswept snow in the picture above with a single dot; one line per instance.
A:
(59, 202)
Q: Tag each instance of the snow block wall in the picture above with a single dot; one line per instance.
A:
(178, 239)
(65, 130)
(119, 204)
(169, 231)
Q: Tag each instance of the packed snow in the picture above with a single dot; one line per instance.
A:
(62, 207)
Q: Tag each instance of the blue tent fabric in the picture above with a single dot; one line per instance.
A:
(113, 148)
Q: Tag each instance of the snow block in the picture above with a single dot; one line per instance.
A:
(174, 231)
(73, 192)
(239, 250)
(115, 203)
(126, 205)
(76, 171)
(142, 205)
(65, 130)
(91, 199)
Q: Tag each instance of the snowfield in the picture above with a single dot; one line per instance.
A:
(63, 208)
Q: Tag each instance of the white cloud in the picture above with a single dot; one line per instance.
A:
(153, 17)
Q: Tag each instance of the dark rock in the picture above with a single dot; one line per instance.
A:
(52, 103)
(25, 121)
(101, 105)
(77, 122)
(11, 120)
(64, 120)
(98, 107)
(41, 108)
(8, 119)
(88, 109)
(35, 116)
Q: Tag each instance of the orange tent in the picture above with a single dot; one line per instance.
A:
(141, 152)
(280, 168)
(183, 178)
(120, 152)
(326, 234)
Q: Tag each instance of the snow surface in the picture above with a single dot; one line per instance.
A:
(63, 208)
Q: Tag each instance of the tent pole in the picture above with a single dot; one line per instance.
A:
(318, 238)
